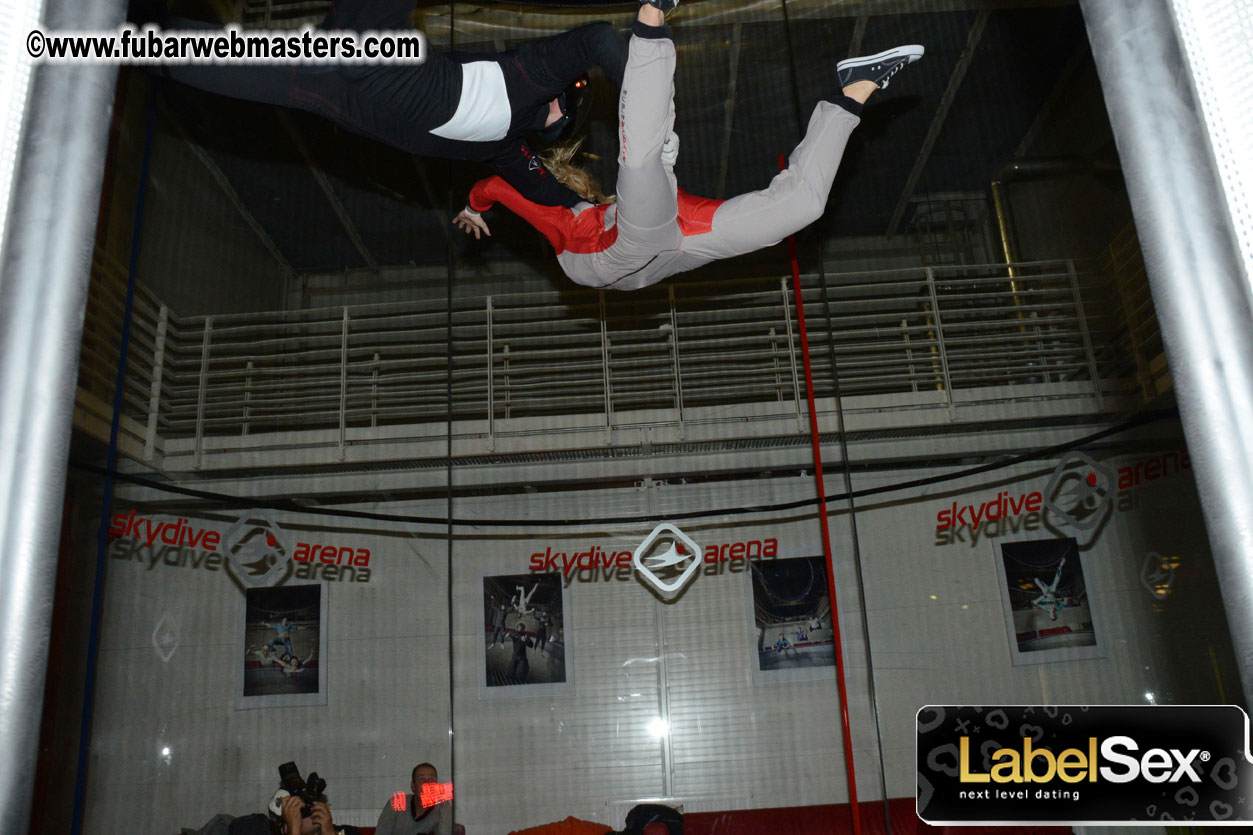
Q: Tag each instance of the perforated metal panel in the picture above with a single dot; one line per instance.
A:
(1215, 35)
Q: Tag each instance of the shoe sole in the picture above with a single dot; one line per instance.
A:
(911, 51)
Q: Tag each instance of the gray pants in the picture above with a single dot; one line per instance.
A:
(650, 246)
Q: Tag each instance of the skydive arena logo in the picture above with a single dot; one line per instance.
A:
(257, 549)
(667, 559)
(1136, 765)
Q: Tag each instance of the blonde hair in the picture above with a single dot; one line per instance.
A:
(559, 159)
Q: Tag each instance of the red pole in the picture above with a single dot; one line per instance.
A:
(826, 531)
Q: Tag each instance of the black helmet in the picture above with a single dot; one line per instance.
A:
(646, 813)
(570, 100)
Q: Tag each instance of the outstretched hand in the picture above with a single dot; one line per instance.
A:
(471, 224)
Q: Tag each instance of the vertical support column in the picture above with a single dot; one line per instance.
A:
(206, 343)
(154, 391)
(1200, 285)
(43, 296)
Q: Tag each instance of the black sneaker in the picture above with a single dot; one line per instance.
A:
(877, 68)
(666, 6)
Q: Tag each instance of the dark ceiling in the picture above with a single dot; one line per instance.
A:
(332, 201)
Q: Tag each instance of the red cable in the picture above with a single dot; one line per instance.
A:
(826, 531)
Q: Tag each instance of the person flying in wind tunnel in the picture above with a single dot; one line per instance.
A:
(454, 105)
(655, 229)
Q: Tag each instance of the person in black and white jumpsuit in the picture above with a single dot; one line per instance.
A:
(476, 107)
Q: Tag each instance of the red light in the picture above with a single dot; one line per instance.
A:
(433, 793)
(399, 801)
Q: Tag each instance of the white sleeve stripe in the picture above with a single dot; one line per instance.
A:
(483, 113)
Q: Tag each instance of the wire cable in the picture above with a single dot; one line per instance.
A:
(292, 506)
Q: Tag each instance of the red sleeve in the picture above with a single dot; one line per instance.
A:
(554, 222)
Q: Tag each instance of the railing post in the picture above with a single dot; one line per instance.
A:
(1039, 345)
(774, 355)
(343, 386)
(374, 392)
(504, 370)
(248, 397)
(604, 362)
(154, 392)
(939, 338)
(491, 399)
(205, 343)
(791, 355)
(1087, 337)
(678, 367)
(909, 354)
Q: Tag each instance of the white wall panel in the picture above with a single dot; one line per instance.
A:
(934, 612)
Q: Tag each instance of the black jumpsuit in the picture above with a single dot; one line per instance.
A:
(399, 104)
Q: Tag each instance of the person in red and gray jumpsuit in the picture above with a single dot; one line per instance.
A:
(656, 229)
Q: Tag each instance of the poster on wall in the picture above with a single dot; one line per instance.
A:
(282, 647)
(791, 632)
(1048, 605)
(522, 651)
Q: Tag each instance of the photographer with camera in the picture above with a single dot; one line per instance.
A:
(299, 807)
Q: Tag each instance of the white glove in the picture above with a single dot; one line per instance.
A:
(670, 150)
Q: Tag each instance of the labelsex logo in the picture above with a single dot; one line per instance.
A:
(651, 559)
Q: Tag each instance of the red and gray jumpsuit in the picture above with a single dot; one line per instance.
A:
(655, 229)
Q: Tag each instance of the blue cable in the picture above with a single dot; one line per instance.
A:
(102, 536)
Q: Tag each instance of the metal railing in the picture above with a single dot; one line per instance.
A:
(530, 363)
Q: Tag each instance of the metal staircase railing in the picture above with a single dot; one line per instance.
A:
(527, 364)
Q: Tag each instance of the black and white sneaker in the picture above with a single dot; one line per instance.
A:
(877, 68)
(666, 6)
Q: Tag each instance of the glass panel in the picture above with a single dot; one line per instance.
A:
(390, 497)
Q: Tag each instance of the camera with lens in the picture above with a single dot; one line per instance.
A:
(309, 791)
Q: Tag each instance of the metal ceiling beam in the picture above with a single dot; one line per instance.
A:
(224, 183)
(937, 122)
(328, 191)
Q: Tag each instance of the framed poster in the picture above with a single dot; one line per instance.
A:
(1048, 605)
(282, 647)
(790, 632)
(523, 647)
